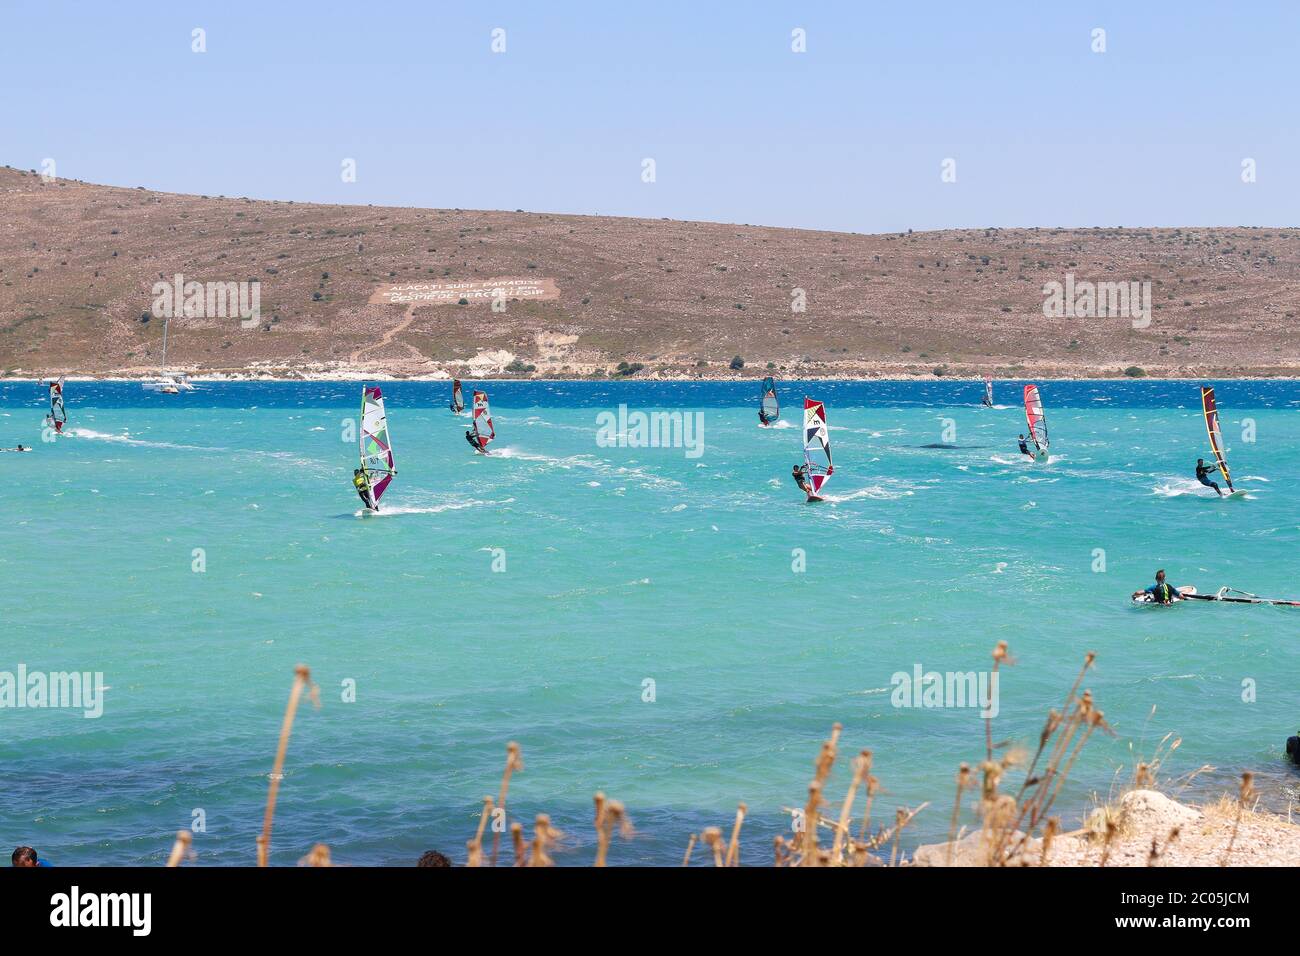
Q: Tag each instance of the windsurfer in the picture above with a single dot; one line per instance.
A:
(474, 441)
(1203, 475)
(800, 475)
(1024, 447)
(362, 482)
(1161, 592)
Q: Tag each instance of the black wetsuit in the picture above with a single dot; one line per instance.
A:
(1024, 449)
(473, 440)
(1203, 476)
(1163, 593)
(763, 419)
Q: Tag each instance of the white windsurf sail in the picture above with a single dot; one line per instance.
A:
(483, 429)
(58, 416)
(988, 391)
(457, 397)
(1211, 411)
(816, 445)
(1035, 417)
(376, 444)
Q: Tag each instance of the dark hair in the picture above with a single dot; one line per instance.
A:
(433, 858)
(1160, 573)
(24, 854)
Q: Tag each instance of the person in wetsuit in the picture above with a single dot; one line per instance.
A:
(473, 440)
(1203, 472)
(1024, 447)
(1161, 592)
(362, 482)
(800, 475)
(763, 419)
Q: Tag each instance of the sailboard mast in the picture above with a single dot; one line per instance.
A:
(768, 405)
(376, 444)
(483, 429)
(1035, 417)
(816, 446)
(988, 391)
(1233, 596)
(1211, 411)
(457, 397)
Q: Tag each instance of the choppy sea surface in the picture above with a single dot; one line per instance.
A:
(672, 626)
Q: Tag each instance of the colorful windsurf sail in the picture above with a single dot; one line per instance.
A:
(376, 444)
(769, 406)
(483, 429)
(1035, 417)
(58, 416)
(1216, 436)
(457, 397)
(816, 445)
(988, 391)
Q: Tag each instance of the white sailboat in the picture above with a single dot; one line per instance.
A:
(168, 383)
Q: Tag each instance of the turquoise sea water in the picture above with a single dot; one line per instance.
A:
(621, 565)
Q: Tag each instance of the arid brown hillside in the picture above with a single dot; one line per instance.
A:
(77, 263)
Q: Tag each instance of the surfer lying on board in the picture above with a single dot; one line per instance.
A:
(1161, 592)
(1203, 475)
(800, 475)
(362, 482)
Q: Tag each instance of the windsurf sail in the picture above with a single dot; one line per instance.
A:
(457, 397)
(376, 445)
(1216, 437)
(770, 407)
(988, 391)
(58, 416)
(816, 444)
(483, 429)
(1034, 415)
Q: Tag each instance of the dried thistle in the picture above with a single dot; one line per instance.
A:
(513, 762)
(301, 680)
(180, 849)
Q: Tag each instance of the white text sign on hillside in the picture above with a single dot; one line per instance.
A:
(450, 292)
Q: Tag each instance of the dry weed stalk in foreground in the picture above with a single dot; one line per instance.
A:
(180, 849)
(1010, 822)
(609, 814)
(319, 856)
(804, 849)
(1245, 794)
(513, 762)
(301, 679)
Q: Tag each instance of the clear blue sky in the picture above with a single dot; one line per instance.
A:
(849, 135)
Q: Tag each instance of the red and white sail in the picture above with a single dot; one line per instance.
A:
(1211, 410)
(816, 444)
(1035, 417)
(483, 428)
